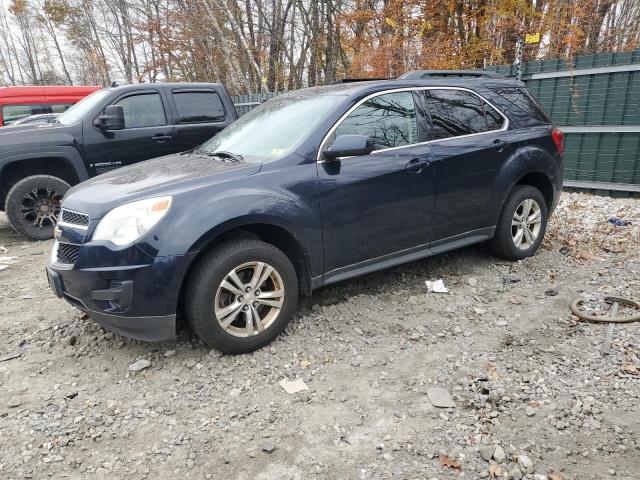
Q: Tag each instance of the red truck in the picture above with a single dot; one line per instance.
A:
(20, 102)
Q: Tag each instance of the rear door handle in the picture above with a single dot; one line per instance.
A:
(499, 145)
(416, 165)
(160, 138)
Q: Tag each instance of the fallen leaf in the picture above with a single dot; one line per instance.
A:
(448, 462)
(630, 368)
(556, 476)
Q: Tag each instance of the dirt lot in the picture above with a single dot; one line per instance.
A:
(530, 386)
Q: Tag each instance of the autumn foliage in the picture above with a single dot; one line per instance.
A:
(270, 45)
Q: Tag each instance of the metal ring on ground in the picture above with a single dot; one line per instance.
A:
(604, 319)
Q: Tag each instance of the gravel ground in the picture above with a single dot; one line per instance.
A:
(529, 393)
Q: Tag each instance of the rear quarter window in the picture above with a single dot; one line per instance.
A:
(519, 98)
(198, 106)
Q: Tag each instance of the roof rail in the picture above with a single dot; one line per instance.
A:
(350, 80)
(418, 74)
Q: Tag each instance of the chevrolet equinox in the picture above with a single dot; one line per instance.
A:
(313, 187)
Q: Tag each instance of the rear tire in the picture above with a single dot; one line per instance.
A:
(33, 205)
(522, 224)
(228, 304)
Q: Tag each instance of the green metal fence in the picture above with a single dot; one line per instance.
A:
(596, 101)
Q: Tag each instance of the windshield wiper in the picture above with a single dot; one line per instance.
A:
(235, 157)
(224, 154)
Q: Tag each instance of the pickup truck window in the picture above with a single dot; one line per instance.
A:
(143, 110)
(198, 106)
(80, 109)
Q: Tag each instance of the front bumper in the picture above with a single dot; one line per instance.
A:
(138, 300)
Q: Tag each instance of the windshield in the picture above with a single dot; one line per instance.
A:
(75, 113)
(274, 129)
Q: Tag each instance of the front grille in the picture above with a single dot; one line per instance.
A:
(68, 253)
(74, 218)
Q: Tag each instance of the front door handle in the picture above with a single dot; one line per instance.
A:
(499, 145)
(416, 165)
(160, 138)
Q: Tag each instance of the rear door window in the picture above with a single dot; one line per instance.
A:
(454, 113)
(143, 110)
(457, 112)
(198, 106)
(495, 121)
(389, 120)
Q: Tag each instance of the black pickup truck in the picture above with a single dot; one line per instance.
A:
(111, 128)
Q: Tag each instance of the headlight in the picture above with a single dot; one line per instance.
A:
(128, 222)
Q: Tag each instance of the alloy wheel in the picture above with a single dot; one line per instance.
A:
(249, 299)
(526, 224)
(41, 207)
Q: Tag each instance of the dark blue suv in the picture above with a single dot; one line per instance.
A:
(313, 187)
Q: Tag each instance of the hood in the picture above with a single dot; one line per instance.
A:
(167, 175)
(28, 137)
(13, 129)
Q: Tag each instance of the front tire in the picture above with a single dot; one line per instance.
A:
(522, 224)
(33, 205)
(241, 296)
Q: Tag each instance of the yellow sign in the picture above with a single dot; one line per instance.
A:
(532, 37)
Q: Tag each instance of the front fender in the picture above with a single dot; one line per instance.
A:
(208, 218)
(68, 153)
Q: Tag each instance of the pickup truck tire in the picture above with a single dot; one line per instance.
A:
(241, 295)
(522, 224)
(33, 205)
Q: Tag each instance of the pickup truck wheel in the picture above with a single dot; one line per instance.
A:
(522, 224)
(241, 296)
(33, 205)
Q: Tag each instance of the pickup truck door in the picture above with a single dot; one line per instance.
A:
(147, 133)
(200, 113)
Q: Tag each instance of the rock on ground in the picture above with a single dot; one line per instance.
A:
(369, 350)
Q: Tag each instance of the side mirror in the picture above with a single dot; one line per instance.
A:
(348, 146)
(111, 119)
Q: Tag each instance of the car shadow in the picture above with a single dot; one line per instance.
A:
(410, 274)
(396, 279)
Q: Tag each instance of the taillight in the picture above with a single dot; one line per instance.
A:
(558, 139)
